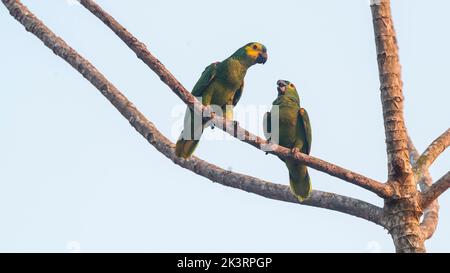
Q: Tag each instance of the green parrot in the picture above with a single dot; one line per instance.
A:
(219, 86)
(294, 132)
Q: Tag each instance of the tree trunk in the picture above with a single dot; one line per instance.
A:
(403, 221)
(402, 210)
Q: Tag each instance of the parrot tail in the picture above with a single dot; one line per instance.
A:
(190, 136)
(299, 180)
(185, 148)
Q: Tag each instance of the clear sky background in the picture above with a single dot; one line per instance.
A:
(75, 175)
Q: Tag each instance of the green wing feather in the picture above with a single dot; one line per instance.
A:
(306, 127)
(185, 147)
(205, 79)
(238, 94)
(299, 179)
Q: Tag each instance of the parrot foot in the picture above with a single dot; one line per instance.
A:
(295, 150)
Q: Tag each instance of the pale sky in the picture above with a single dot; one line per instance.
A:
(74, 175)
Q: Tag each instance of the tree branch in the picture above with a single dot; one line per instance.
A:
(435, 190)
(430, 220)
(391, 94)
(430, 213)
(413, 153)
(382, 190)
(431, 153)
(148, 130)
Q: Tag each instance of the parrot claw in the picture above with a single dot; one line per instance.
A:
(213, 126)
(267, 153)
(295, 150)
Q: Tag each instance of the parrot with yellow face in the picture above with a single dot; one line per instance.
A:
(221, 86)
(294, 132)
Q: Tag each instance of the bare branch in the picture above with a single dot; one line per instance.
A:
(429, 196)
(391, 93)
(435, 190)
(148, 130)
(431, 153)
(431, 213)
(382, 190)
(430, 220)
(413, 153)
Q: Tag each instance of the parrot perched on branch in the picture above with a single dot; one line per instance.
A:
(219, 86)
(293, 132)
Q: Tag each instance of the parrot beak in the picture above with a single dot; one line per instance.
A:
(262, 58)
(281, 87)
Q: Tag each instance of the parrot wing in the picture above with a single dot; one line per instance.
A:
(238, 94)
(205, 79)
(267, 124)
(305, 128)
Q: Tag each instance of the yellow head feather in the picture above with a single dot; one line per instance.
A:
(253, 50)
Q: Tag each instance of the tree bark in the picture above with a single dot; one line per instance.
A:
(403, 212)
(435, 190)
(430, 213)
(431, 153)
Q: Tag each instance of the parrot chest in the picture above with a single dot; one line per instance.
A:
(288, 131)
(231, 73)
(230, 77)
(221, 94)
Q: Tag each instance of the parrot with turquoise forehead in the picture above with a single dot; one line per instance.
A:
(294, 132)
(220, 86)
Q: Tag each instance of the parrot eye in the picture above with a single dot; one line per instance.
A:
(291, 85)
(255, 47)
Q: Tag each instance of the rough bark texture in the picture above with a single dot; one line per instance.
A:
(430, 213)
(148, 130)
(430, 217)
(430, 191)
(403, 212)
(382, 190)
(435, 190)
(391, 94)
(431, 153)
